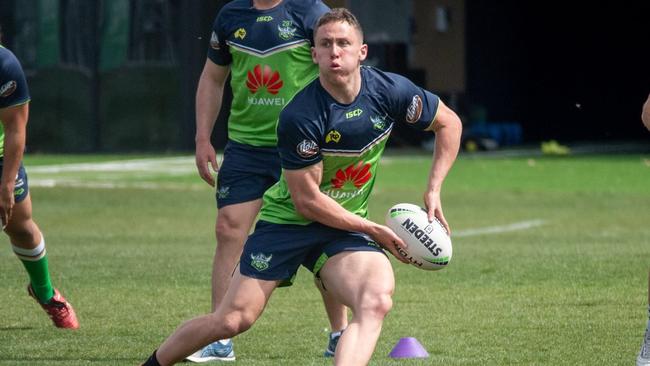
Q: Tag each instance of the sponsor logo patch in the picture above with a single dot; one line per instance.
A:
(333, 136)
(355, 113)
(264, 76)
(307, 148)
(357, 174)
(414, 110)
(8, 88)
(240, 33)
(214, 41)
(266, 18)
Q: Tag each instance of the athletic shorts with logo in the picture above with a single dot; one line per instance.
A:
(21, 187)
(246, 173)
(275, 251)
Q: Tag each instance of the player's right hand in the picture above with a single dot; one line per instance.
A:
(205, 158)
(390, 241)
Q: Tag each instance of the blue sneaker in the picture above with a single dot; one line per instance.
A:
(217, 351)
(331, 345)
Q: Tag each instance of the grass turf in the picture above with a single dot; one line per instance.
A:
(136, 260)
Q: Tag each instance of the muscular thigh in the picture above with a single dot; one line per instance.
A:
(350, 274)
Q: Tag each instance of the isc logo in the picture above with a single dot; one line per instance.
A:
(267, 18)
(355, 113)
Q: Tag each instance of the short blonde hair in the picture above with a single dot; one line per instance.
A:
(339, 15)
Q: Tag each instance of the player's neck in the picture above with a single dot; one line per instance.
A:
(344, 89)
(265, 4)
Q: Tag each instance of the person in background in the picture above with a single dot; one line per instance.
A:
(265, 46)
(644, 355)
(26, 238)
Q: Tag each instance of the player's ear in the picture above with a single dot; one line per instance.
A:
(313, 55)
(363, 52)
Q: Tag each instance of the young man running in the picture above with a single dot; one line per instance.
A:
(330, 137)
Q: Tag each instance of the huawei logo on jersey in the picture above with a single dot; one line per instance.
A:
(358, 174)
(263, 76)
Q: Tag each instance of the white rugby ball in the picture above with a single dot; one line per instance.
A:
(429, 245)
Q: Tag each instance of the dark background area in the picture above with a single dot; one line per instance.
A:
(570, 71)
(573, 71)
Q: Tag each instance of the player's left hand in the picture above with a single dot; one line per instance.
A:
(434, 208)
(7, 202)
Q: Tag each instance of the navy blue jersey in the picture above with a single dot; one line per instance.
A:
(13, 87)
(348, 138)
(269, 55)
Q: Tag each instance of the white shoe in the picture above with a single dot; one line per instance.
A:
(217, 351)
(643, 359)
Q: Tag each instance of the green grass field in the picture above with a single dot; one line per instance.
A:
(131, 245)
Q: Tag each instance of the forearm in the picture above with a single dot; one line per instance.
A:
(446, 149)
(327, 211)
(14, 147)
(208, 104)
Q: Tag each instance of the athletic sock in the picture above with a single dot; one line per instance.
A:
(152, 360)
(35, 262)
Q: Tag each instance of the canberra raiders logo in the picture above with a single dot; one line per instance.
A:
(378, 123)
(286, 31)
(260, 262)
(223, 192)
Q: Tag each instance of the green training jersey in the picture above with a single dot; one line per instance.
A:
(269, 54)
(348, 139)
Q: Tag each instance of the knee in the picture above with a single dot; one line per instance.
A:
(22, 234)
(228, 228)
(238, 322)
(377, 304)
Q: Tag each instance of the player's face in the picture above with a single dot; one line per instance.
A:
(338, 50)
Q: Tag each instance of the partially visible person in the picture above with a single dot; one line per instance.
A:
(265, 46)
(645, 113)
(644, 355)
(15, 202)
(331, 137)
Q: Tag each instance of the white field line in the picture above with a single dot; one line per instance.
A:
(516, 226)
(71, 183)
(112, 174)
(180, 164)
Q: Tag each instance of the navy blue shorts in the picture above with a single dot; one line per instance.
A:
(21, 189)
(246, 172)
(275, 251)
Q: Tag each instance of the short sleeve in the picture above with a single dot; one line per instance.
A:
(413, 105)
(312, 16)
(218, 50)
(298, 141)
(13, 85)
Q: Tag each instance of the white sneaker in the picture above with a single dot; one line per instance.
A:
(217, 351)
(643, 359)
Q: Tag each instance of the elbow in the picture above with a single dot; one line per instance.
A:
(451, 123)
(305, 207)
